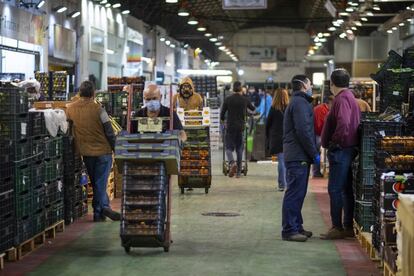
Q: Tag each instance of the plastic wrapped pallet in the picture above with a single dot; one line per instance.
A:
(405, 236)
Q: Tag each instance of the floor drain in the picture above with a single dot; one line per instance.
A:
(221, 214)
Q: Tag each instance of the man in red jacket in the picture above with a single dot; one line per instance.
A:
(340, 136)
(320, 113)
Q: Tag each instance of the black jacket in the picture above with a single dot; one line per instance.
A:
(299, 136)
(274, 130)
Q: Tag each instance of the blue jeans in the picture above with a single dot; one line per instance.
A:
(340, 186)
(281, 170)
(234, 142)
(297, 176)
(98, 168)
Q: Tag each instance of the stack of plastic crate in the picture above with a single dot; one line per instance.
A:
(364, 169)
(75, 193)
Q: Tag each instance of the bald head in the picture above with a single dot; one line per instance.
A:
(152, 93)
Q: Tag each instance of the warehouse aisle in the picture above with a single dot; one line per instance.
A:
(249, 244)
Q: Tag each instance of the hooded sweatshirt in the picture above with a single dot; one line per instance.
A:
(192, 103)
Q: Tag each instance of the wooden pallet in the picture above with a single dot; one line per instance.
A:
(30, 245)
(387, 270)
(55, 228)
(365, 240)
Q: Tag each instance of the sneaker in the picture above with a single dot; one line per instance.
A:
(233, 170)
(308, 234)
(108, 212)
(349, 233)
(334, 233)
(296, 238)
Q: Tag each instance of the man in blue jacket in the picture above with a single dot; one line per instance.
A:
(299, 148)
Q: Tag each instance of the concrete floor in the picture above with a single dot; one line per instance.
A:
(246, 245)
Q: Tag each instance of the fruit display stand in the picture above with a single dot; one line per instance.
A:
(147, 160)
(195, 169)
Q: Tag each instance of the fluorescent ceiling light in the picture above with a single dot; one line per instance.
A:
(222, 48)
(208, 34)
(74, 14)
(167, 42)
(172, 45)
(218, 43)
(349, 9)
(354, 28)
(186, 46)
(364, 19)
(103, 2)
(394, 28)
(332, 29)
(401, 24)
(343, 14)
(342, 35)
(213, 39)
(358, 23)
(192, 21)
(60, 9)
(125, 12)
(171, 1)
(162, 39)
(369, 13)
(183, 12)
(40, 4)
(389, 31)
(205, 72)
(320, 34)
(116, 5)
(376, 8)
(110, 52)
(201, 29)
(318, 44)
(349, 31)
(326, 34)
(108, 5)
(322, 40)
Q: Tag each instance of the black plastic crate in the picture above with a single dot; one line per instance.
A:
(367, 160)
(22, 177)
(5, 153)
(6, 184)
(80, 210)
(24, 203)
(7, 234)
(375, 128)
(394, 60)
(53, 147)
(54, 213)
(144, 213)
(6, 204)
(39, 221)
(363, 192)
(134, 169)
(21, 150)
(38, 196)
(54, 192)
(37, 149)
(37, 125)
(13, 100)
(38, 174)
(368, 145)
(363, 215)
(13, 127)
(367, 177)
(24, 230)
(53, 169)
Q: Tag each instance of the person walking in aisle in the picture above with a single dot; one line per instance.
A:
(300, 151)
(274, 132)
(235, 106)
(340, 137)
(95, 141)
(320, 113)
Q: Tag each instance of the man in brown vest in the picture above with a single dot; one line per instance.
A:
(95, 141)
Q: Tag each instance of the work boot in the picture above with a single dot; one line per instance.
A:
(98, 218)
(108, 212)
(349, 232)
(296, 238)
(334, 233)
(308, 234)
(233, 169)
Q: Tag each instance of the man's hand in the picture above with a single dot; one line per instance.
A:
(317, 159)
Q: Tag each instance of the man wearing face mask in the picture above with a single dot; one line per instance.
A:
(187, 98)
(154, 109)
(299, 148)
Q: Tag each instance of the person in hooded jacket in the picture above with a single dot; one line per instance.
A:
(187, 98)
